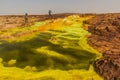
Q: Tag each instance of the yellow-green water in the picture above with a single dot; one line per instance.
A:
(48, 50)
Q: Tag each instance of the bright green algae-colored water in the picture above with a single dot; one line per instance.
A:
(56, 50)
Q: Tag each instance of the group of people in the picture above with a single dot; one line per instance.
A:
(26, 16)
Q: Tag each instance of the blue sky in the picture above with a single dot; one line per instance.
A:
(58, 6)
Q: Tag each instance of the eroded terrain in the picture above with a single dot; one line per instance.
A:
(105, 38)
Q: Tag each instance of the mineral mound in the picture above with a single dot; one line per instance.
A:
(105, 29)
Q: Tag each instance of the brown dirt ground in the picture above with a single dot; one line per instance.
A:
(105, 29)
(10, 21)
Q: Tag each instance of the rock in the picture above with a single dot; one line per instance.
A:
(108, 67)
(105, 38)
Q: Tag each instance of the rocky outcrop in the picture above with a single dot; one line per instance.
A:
(108, 67)
(105, 38)
(105, 31)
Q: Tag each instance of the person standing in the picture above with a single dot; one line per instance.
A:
(26, 18)
(50, 13)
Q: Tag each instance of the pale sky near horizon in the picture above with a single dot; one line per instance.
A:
(14, 7)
